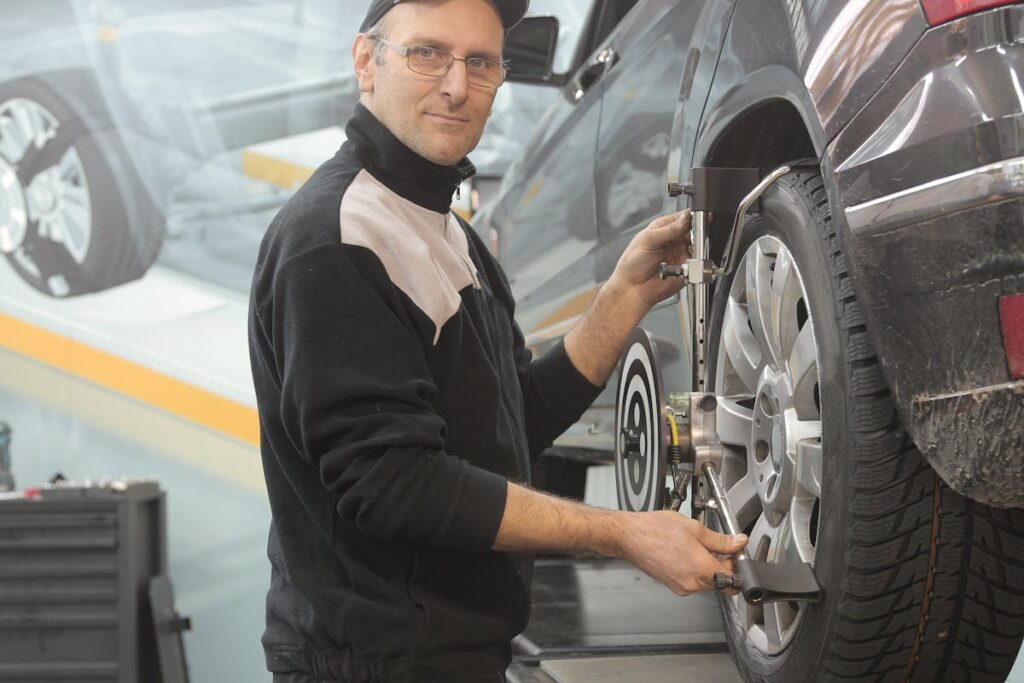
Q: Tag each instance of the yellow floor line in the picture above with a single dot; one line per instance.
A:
(233, 462)
(131, 379)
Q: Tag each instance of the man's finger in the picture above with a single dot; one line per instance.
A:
(721, 543)
(670, 227)
(668, 219)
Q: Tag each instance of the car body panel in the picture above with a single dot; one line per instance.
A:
(930, 176)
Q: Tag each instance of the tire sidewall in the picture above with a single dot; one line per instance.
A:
(787, 215)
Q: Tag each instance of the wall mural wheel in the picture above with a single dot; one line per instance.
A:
(73, 216)
(641, 448)
(818, 469)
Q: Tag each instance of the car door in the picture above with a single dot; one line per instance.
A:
(656, 49)
(545, 217)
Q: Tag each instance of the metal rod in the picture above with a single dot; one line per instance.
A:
(698, 294)
(734, 236)
(729, 523)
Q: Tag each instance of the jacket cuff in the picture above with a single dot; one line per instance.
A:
(479, 513)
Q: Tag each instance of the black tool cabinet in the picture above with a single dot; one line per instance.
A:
(76, 564)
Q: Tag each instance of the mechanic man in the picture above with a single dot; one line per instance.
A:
(398, 406)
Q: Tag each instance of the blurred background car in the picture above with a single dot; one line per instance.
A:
(123, 125)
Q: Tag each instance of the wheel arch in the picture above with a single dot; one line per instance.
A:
(80, 89)
(757, 130)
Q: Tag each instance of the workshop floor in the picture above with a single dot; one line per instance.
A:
(217, 525)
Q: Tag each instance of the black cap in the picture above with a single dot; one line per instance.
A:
(511, 12)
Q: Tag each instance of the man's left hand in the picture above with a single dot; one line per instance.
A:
(595, 344)
(665, 240)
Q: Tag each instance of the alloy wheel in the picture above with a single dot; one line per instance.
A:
(769, 422)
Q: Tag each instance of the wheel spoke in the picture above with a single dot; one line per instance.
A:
(41, 160)
(734, 422)
(12, 145)
(741, 348)
(773, 624)
(27, 132)
(761, 538)
(743, 499)
(76, 230)
(50, 229)
(808, 466)
(786, 293)
(760, 302)
(789, 550)
(803, 369)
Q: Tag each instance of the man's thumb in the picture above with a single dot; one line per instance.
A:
(722, 544)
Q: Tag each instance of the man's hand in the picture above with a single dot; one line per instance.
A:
(665, 240)
(595, 344)
(678, 551)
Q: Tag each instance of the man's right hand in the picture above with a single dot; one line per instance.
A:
(676, 550)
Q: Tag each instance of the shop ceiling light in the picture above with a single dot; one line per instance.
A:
(941, 11)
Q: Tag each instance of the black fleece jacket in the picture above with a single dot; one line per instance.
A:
(395, 398)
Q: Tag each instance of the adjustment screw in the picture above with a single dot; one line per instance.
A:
(724, 581)
(676, 189)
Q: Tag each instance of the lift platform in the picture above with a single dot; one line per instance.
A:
(597, 619)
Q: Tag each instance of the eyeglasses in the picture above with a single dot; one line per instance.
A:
(430, 61)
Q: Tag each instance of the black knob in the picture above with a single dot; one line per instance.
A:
(629, 441)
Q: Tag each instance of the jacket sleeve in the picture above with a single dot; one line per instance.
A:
(555, 394)
(356, 401)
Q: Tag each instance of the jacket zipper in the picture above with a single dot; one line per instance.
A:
(465, 263)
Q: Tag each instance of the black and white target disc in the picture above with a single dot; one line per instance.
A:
(641, 444)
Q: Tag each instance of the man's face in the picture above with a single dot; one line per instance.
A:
(439, 118)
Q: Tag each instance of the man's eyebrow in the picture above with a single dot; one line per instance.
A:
(426, 41)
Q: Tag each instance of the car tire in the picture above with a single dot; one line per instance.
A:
(74, 216)
(918, 582)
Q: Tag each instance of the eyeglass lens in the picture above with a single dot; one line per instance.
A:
(432, 62)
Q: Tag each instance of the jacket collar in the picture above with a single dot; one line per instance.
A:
(402, 170)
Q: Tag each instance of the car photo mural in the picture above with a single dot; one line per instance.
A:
(174, 130)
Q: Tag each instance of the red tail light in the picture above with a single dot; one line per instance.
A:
(941, 11)
(1011, 319)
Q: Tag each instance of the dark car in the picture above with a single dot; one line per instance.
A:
(867, 352)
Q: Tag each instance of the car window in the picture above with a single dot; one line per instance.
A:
(572, 16)
(606, 16)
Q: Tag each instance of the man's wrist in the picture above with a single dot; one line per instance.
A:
(610, 533)
(625, 300)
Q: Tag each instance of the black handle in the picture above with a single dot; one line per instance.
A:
(762, 582)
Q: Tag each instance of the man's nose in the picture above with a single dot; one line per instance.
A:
(454, 84)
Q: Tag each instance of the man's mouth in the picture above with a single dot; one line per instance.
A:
(448, 117)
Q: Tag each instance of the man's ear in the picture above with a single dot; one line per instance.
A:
(362, 62)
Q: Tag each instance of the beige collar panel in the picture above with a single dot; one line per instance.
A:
(426, 254)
